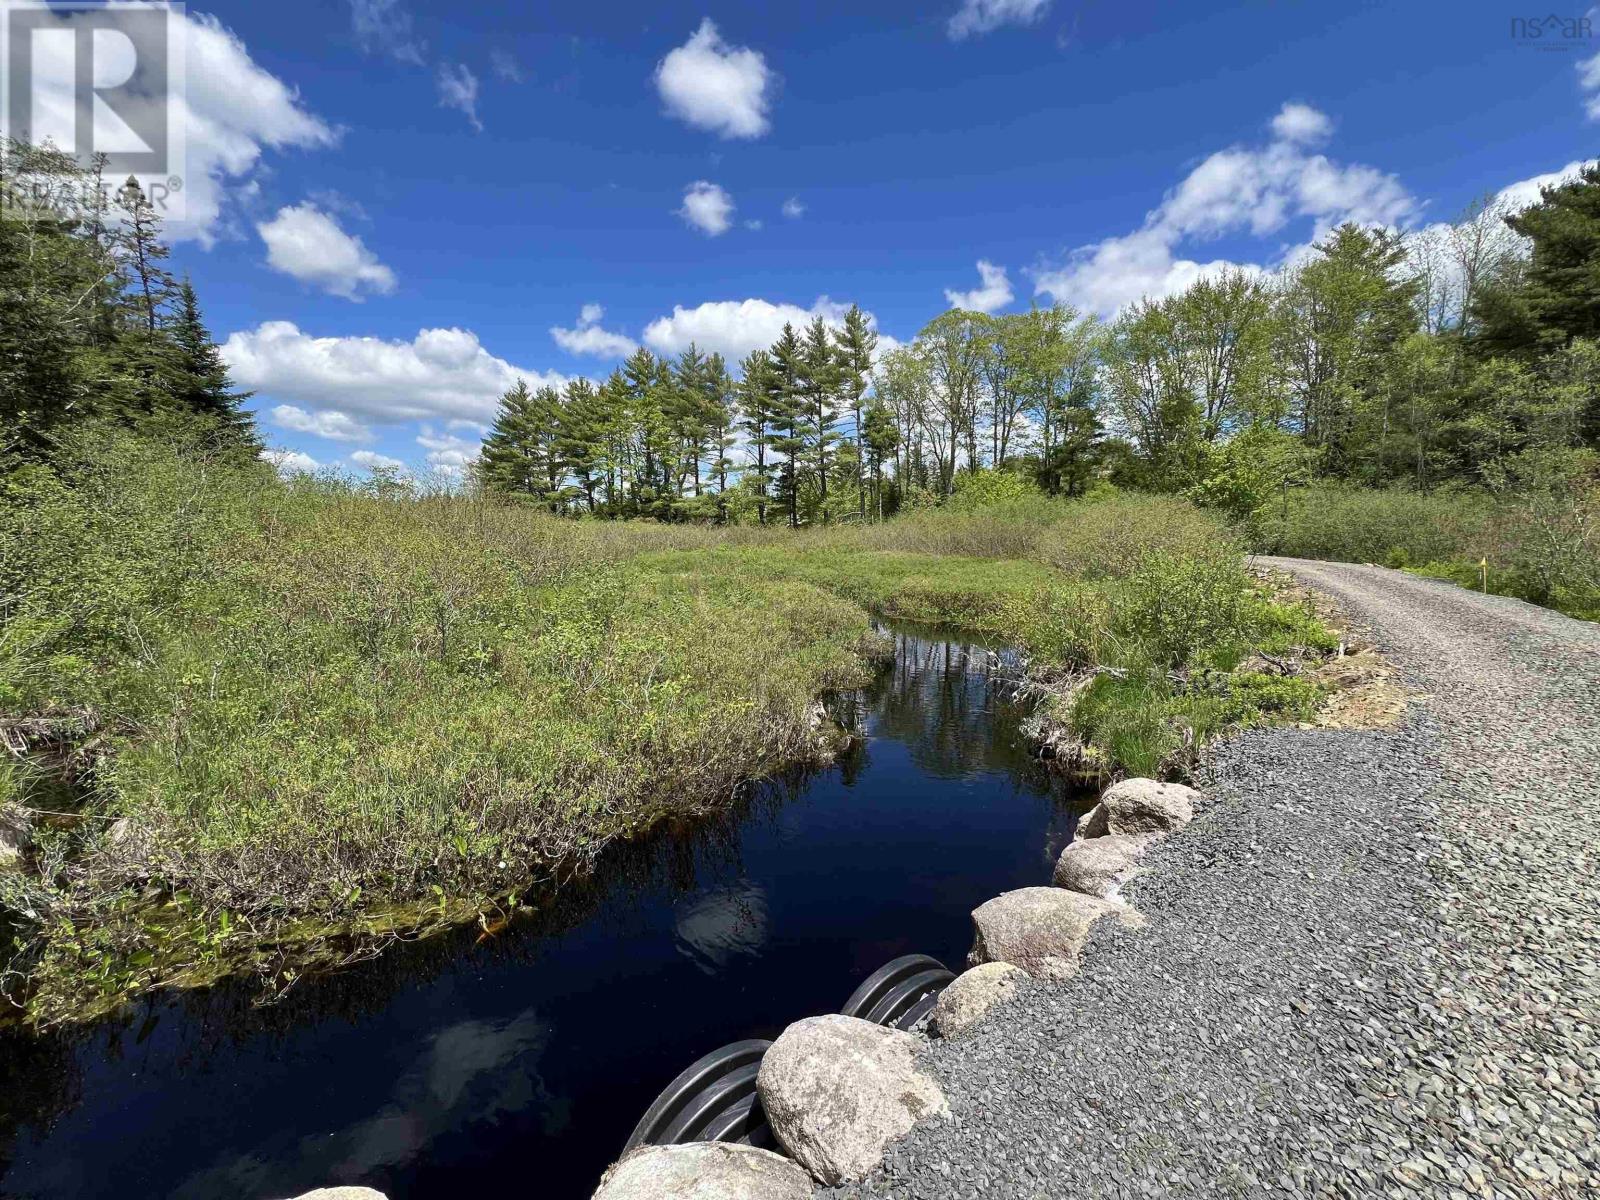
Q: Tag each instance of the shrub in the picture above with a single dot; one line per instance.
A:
(1389, 526)
(1115, 537)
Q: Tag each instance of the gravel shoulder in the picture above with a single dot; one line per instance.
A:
(1372, 964)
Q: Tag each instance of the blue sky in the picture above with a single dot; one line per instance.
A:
(407, 197)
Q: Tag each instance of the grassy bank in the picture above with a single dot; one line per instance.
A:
(263, 714)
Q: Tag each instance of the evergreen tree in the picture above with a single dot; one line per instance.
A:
(722, 416)
(856, 344)
(758, 388)
(1539, 307)
(580, 437)
(200, 378)
(818, 390)
(787, 413)
(880, 438)
(518, 455)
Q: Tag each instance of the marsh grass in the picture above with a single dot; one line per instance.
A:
(317, 713)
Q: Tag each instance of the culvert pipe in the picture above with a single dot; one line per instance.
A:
(714, 1099)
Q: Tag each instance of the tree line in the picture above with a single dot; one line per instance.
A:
(93, 323)
(1465, 354)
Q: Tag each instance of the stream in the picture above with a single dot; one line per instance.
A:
(517, 1065)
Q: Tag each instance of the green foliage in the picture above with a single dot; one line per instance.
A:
(92, 324)
(981, 489)
(1116, 537)
(1392, 527)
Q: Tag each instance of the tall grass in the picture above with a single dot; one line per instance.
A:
(1539, 542)
(318, 705)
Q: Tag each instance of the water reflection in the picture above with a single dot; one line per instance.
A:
(517, 1064)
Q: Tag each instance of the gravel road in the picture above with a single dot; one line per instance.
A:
(1372, 966)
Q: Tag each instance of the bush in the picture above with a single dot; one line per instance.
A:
(1115, 537)
(1388, 526)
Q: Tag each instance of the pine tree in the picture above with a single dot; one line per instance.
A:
(787, 413)
(1555, 297)
(689, 415)
(580, 440)
(819, 389)
(200, 377)
(615, 427)
(722, 418)
(880, 438)
(856, 343)
(758, 388)
(518, 455)
(651, 386)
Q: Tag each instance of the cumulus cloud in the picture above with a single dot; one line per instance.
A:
(793, 209)
(1240, 190)
(448, 453)
(1524, 192)
(309, 245)
(589, 338)
(985, 16)
(291, 462)
(733, 328)
(440, 374)
(385, 27)
(1302, 124)
(232, 113)
(372, 461)
(714, 86)
(993, 292)
(707, 207)
(458, 89)
(331, 424)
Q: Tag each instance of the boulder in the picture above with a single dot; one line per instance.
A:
(704, 1171)
(1139, 806)
(13, 837)
(1040, 929)
(343, 1193)
(1101, 865)
(972, 994)
(837, 1090)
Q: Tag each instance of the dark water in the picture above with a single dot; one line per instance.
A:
(517, 1066)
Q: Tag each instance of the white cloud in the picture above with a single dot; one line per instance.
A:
(1589, 81)
(1301, 124)
(589, 338)
(733, 328)
(232, 112)
(707, 207)
(712, 85)
(1524, 192)
(458, 89)
(793, 209)
(505, 66)
(993, 292)
(1239, 190)
(291, 462)
(985, 16)
(448, 453)
(373, 461)
(441, 373)
(384, 27)
(306, 243)
(331, 424)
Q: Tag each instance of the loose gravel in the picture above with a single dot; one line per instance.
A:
(1372, 965)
